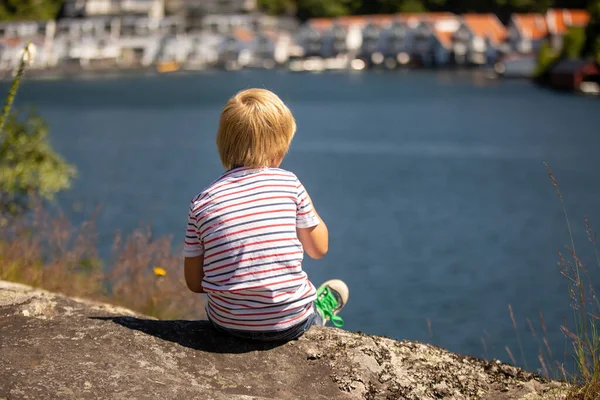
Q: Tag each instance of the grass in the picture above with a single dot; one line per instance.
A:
(47, 251)
(583, 336)
(144, 273)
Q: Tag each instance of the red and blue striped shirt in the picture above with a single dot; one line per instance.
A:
(244, 225)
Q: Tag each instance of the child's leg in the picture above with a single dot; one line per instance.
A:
(274, 336)
(332, 296)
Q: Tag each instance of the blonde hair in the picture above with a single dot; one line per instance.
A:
(255, 130)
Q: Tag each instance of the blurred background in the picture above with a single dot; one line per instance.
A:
(423, 126)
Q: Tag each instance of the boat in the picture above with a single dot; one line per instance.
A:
(516, 67)
(168, 66)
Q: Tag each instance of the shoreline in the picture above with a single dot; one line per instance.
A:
(152, 71)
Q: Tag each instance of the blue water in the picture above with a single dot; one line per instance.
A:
(432, 185)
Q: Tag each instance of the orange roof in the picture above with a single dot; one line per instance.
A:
(382, 19)
(352, 20)
(274, 35)
(536, 26)
(533, 26)
(445, 37)
(559, 20)
(12, 42)
(243, 35)
(320, 24)
(432, 16)
(486, 25)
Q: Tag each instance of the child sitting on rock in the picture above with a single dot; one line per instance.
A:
(248, 230)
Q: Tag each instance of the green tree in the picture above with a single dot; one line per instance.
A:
(327, 8)
(278, 7)
(591, 47)
(29, 167)
(573, 43)
(29, 9)
(412, 6)
(545, 60)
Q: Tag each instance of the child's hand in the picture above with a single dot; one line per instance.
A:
(315, 240)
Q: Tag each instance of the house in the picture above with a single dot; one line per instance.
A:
(526, 32)
(204, 50)
(270, 48)
(573, 74)
(311, 36)
(14, 37)
(559, 21)
(331, 38)
(397, 44)
(205, 7)
(192, 51)
(227, 23)
(97, 8)
(431, 38)
(374, 34)
(12, 52)
(92, 52)
(99, 28)
(479, 40)
(194, 11)
(235, 49)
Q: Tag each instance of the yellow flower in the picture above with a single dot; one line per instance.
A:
(158, 271)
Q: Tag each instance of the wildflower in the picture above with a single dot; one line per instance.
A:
(158, 271)
(29, 53)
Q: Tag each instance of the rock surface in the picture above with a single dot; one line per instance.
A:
(55, 347)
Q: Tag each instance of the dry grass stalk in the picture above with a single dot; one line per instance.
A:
(145, 272)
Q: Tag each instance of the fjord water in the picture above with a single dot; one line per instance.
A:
(432, 184)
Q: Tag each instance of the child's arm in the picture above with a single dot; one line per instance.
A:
(193, 253)
(315, 239)
(194, 273)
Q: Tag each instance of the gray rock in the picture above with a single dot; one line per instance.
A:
(55, 347)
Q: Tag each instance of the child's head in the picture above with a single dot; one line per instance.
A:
(255, 130)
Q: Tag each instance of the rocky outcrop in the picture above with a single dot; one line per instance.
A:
(54, 347)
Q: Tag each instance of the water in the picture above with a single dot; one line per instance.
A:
(432, 185)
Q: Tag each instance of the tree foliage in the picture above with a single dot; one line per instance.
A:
(29, 9)
(591, 48)
(546, 58)
(29, 167)
(331, 8)
(573, 43)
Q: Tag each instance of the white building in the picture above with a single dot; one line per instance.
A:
(94, 8)
(14, 36)
(205, 7)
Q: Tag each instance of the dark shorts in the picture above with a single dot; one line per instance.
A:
(286, 335)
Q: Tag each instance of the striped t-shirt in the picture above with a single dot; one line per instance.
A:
(244, 224)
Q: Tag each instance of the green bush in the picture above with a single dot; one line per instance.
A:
(29, 9)
(573, 43)
(29, 167)
(545, 60)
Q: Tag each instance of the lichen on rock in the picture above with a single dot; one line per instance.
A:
(52, 346)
